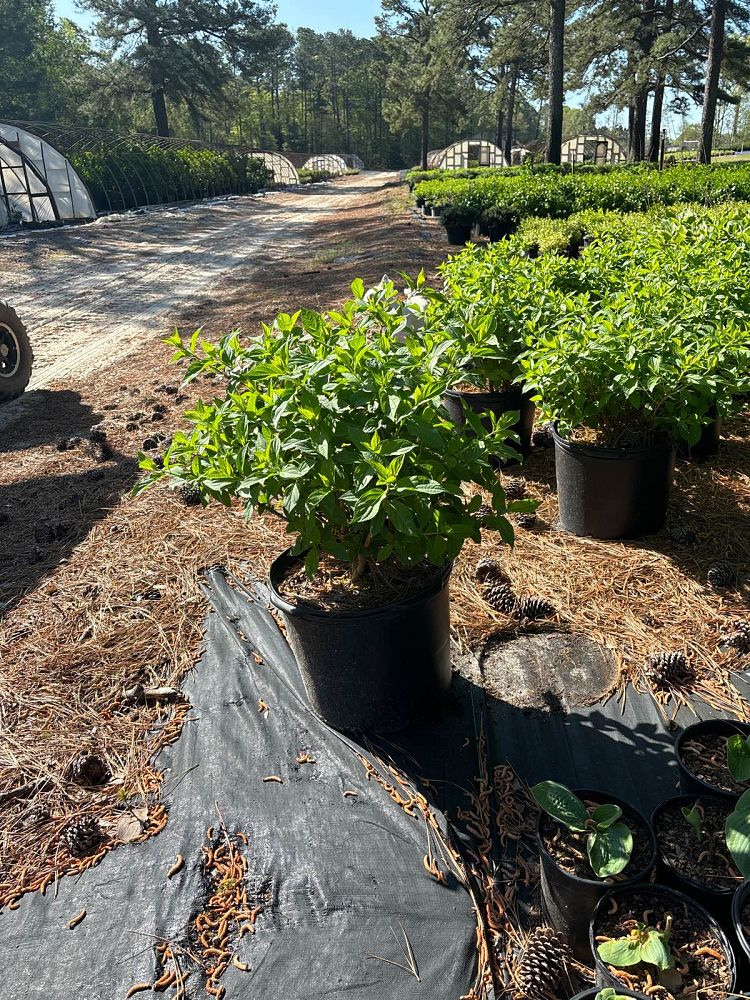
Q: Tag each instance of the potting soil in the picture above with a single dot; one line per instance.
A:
(335, 867)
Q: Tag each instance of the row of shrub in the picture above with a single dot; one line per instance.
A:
(134, 175)
(419, 176)
(511, 197)
(314, 176)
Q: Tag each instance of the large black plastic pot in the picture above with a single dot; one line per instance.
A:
(513, 400)
(501, 230)
(708, 443)
(612, 492)
(716, 901)
(458, 236)
(570, 901)
(690, 783)
(375, 670)
(739, 899)
(672, 900)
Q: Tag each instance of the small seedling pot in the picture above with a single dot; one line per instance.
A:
(458, 236)
(568, 900)
(672, 899)
(612, 492)
(621, 991)
(374, 670)
(717, 901)
(690, 783)
(708, 443)
(513, 400)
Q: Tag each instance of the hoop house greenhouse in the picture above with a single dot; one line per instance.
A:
(281, 167)
(599, 149)
(467, 153)
(37, 183)
(332, 163)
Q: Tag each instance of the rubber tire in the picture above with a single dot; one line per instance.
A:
(14, 385)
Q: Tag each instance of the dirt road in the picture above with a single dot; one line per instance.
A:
(89, 293)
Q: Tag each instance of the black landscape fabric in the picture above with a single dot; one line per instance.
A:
(340, 877)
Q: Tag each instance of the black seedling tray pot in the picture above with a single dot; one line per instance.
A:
(690, 783)
(718, 902)
(603, 976)
(569, 901)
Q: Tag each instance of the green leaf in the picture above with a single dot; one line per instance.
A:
(621, 952)
(560, 803)
(656, 951)
(609, 850)
(738, 757)
(694, 818)
(737, 831)
(606, 815)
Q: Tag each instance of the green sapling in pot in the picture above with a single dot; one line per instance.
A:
(694, 818)
(738, 757)
(609, 994)
(737, 830)
(609, 842)
(644, 945)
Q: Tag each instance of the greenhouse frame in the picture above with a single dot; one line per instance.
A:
(332, 163)
(38, 184)
(465, 153)
(597, 148)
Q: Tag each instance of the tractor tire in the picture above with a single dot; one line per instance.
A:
(16, 357)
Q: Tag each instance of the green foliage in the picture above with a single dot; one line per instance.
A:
(643, 944)
(694, 818)
(738, 757)
(737, 830)
(313, 176)
(609, 843)
(609, 994)
(334, 422)
(130, 175)
(550, 235)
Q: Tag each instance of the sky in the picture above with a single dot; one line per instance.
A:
(325, 15)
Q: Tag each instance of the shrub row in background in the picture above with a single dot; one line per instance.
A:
(130, 176)
(314, 176)
(504, 197)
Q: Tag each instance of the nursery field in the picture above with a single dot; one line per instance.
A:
(405, 861)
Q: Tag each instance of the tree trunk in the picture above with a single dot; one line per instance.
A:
(161, 118)
(656, 115)
(499, 127)
(638, 128)
(425, 133)
(507, 152)
(556, 88)
(713, 73)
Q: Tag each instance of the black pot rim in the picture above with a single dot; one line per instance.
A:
(691, 732)
(595, 451)
(694, 886)
(432, 586)
(497, 395)
(738, 899)
(680, 897)
(592, 992)
(593, 793)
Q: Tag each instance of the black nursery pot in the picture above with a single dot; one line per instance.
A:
(436, 211)
(568, 900)
(690, 783)
(673, 899)
(374, 670)
(741, 896)
(717, 901)
(458, 235)
(612, 492)
(501, 230)
(708, 443)
(514, 400)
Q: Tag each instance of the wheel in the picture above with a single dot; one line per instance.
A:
(16, 357)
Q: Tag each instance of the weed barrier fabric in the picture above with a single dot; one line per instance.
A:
(339, 876)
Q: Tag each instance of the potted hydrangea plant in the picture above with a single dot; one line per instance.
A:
(334, 424)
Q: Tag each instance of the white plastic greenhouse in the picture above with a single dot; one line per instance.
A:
(331, 162)
(599, 149)
(37, 183)
(467, 153)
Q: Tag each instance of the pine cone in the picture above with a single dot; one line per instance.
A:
(663, 669)
(525, 520)
(534, 608)
(543, 965)
(484, 513)
(542, 437)
(501, 597)
(721, 575)
(739, 640)
(87, 768)
(100, 451)
(681, 533)
(39, 813)
(489, 569)
(514, 489)
(82, 836)
(189, 494)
